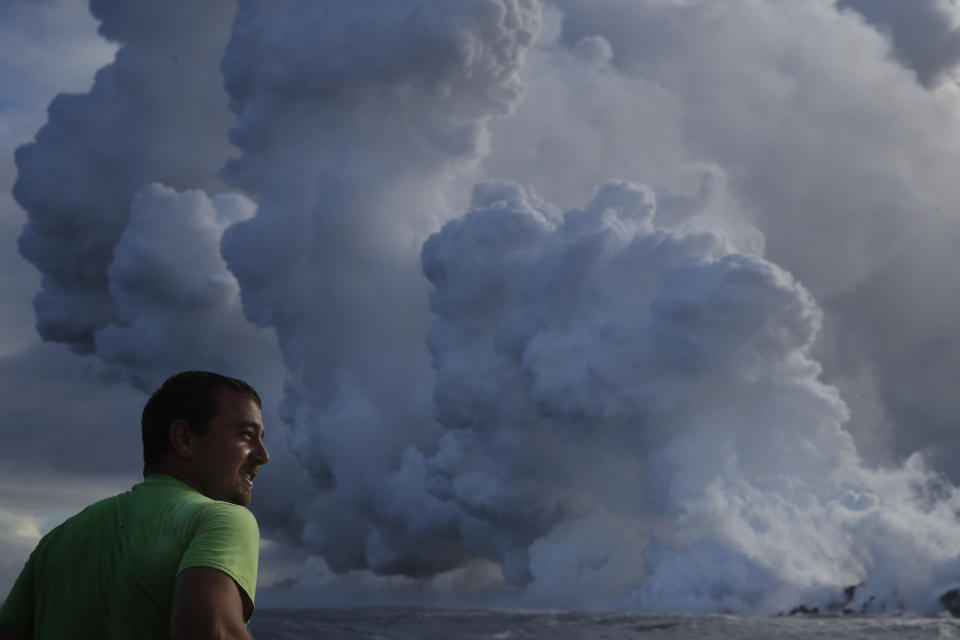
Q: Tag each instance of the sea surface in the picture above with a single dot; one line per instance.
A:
(424, 624)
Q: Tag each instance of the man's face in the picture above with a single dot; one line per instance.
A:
(231, 451)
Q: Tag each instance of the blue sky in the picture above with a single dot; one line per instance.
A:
(552, 303)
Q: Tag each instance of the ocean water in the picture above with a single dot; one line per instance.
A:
(423, 624)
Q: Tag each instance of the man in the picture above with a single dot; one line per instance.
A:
(174, 557)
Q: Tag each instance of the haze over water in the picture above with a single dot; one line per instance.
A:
(412, 624)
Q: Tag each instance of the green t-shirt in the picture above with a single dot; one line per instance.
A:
(110, 570)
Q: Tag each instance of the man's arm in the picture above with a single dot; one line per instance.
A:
(207, 604)
(6, 633)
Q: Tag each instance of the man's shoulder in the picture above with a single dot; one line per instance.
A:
(227, 514)
(93, 511)
(185, 508)
(161, 494)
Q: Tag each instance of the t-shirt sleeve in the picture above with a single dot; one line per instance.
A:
(17, 610)
(227, 538)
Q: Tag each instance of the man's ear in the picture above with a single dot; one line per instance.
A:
(182, 438)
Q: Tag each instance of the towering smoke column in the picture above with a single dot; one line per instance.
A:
(624, 406)
(130, 269)
(146, 119)
(352, 119)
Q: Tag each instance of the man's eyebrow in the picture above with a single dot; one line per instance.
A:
(251, 423)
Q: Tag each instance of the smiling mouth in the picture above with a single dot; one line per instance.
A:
(249, 476)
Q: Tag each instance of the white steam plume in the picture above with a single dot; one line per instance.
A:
(352, 121)
(824, 140)
(626, 406)
(612, 386)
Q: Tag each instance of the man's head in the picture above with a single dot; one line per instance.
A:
(207, 430)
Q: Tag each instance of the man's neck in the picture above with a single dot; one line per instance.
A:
(175, 469)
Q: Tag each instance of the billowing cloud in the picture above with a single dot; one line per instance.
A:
(665, 383)
(925, 34)
(45, 48)
(147, 119)
(177, 305)
(350, 151)
(610, 385)
(852, 193)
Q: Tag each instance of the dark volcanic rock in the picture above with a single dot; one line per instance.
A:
(803, 609)
(837, 607)
(951, 602)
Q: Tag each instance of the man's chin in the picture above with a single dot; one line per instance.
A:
(239, 497)
(242, 498)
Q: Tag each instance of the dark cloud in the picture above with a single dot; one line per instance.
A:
(147, 118)
(60, 418)
(45, 48)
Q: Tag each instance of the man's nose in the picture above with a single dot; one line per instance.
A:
(262, 457)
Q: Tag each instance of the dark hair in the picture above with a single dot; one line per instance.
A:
(190, 396)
